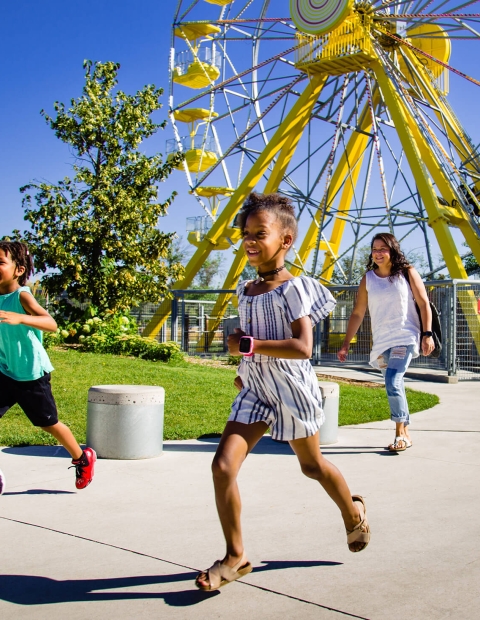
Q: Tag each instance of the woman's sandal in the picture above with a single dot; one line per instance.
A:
(220, 574)
(361, 532)
(400, 444)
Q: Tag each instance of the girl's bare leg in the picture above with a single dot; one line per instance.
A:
(315, 465)
(236, 442)
(65, 437)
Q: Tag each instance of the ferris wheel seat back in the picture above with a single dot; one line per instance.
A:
(345, 49)
(219, 2)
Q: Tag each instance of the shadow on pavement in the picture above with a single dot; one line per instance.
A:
(39, 492)
(281, 564)
(50, 451)
(35, 590)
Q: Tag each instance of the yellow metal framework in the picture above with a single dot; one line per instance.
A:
(355, 46)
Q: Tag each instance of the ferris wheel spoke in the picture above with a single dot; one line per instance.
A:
(469, 28)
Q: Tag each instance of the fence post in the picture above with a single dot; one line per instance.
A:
(454, 330)
(174, 319)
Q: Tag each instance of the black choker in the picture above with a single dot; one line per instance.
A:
(261, 276)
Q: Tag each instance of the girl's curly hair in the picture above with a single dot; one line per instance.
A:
(399, 263)
(279, 205)
(20, 256)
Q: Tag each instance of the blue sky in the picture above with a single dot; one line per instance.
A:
(43, 45)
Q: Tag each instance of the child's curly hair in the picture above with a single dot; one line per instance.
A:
(279, 205)
(20, 256)
(399, 263)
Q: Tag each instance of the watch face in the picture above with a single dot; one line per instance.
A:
(245, 345)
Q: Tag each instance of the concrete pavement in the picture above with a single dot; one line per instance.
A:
(129, 545)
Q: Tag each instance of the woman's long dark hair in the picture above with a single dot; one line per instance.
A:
(399, 263)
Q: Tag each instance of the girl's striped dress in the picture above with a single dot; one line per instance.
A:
(283, 393)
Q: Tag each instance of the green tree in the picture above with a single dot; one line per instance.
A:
(98, 231)
(352, 274)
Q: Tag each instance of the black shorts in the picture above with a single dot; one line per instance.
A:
(34, 397)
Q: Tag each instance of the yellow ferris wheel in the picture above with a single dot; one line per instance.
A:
(340, 105)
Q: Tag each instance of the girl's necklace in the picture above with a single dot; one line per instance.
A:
(261, 276)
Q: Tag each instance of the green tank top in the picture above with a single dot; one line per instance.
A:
(22, 356)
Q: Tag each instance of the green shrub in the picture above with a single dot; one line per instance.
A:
(112, 333)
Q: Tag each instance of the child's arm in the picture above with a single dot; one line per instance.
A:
(36, 316)
(299, 347)
(355, 320)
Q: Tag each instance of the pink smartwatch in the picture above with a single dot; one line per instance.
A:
(245, 346)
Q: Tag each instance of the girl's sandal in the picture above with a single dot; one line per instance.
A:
(361, 532)
(220, 574)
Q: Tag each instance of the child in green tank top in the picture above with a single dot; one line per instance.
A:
(24, 364)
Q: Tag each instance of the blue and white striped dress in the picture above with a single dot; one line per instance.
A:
(283, 393)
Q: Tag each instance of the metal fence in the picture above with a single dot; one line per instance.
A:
(189, 322)
(457, 301)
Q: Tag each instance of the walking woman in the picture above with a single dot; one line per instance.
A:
(390, 299)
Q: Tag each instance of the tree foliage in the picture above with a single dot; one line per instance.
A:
(98, 231)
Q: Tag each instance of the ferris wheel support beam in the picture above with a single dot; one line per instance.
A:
(454, 129)
(288, 133)
(438, 217)
(351, 160)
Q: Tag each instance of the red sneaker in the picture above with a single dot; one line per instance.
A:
(84, 468)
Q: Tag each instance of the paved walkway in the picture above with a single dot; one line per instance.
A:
(129, 545)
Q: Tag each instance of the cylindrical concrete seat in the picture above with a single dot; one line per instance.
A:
(125, 421)
(331, 399)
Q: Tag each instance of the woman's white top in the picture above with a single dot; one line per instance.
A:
(393, 315)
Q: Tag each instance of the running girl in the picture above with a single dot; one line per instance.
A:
(278, 387)
(24, 364)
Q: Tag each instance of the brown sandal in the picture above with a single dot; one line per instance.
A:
(220, 574)
(361, 532)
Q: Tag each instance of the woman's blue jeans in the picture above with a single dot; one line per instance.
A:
(393, 364)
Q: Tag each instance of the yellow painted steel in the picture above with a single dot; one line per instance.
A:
(291, 127)
(433, 40)
(233, 276)
(438, 217)
(190, 115)
(219, 2)
(196, 30)
(446, 116)
(198, 75)
(346, 171)
(197, 160)
(209, 191)
(347, 48)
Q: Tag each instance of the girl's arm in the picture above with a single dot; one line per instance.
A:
(298, 347)
(355, 320)
(36, 316)
(420, 296)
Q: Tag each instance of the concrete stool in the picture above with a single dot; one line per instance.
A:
(331, 398)
(125, 421)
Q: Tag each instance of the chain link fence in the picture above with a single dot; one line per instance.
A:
(457, 301)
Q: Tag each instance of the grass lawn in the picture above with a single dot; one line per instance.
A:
(197, 397)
